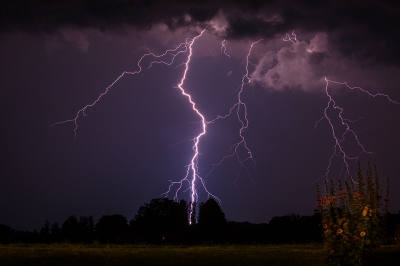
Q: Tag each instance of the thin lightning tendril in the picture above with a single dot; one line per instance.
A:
(243, 121)
(338, 149)
(181, 48)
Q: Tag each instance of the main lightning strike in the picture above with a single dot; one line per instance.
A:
(192, 167)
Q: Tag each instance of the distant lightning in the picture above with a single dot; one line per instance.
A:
(338, 149)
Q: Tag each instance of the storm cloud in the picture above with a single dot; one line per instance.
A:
(347, 23)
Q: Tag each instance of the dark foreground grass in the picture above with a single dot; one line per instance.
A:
(176, 255)
(161, 255)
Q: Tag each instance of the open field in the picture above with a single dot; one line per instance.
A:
(61, 254)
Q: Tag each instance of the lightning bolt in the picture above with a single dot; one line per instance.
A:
(192, 167)
(339, 149)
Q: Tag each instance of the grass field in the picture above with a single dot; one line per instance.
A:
(61, 254)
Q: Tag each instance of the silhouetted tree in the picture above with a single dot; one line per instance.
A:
(70, 229)
(112, 229)
(5, 234)
(316, 228)
(56, 235)
(75, 231)
(25, 236)
(212, 222)
(86, 229)
(293, 228)
(284, 229)
(392, 221)
(246, 233)
(161, 220)
(45, 233)
(210, 213)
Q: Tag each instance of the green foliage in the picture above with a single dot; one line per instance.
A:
(353, 218)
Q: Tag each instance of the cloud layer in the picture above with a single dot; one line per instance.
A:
(347, 23)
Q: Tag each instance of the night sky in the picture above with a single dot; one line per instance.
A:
(58, 56)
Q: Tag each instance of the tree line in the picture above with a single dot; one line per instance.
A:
(166, 221)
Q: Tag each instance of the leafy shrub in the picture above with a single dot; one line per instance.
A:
(353, 218)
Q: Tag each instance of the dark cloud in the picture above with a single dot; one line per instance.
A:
(350, 25)
(47, 16)
(365, 30)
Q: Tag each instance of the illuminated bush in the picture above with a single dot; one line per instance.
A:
(353, 218)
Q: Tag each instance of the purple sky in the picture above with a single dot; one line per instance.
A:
(56, 58)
